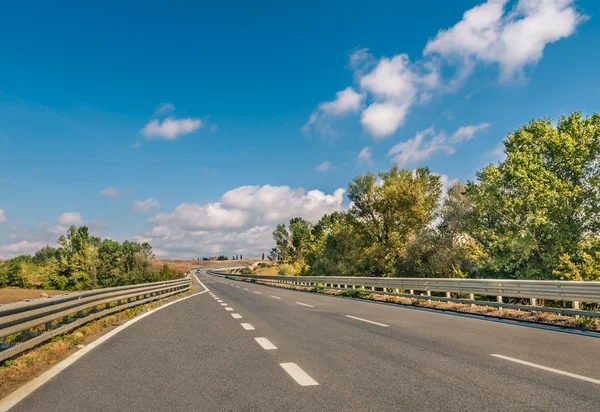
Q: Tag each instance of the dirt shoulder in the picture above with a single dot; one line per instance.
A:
(9, 295)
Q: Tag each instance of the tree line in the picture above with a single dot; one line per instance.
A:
(533, 215)
(82, 261)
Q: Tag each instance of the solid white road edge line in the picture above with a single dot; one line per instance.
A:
(275, 297)
(535, 365)
(247, 326)
(25, 390)
(298, 374)
(265, 343)
(236, 315)
(305, 304)
(368, 321)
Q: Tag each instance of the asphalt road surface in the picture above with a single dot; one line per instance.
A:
(248, 347)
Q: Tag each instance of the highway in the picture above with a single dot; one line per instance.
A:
(248, 347)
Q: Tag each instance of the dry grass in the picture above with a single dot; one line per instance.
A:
(267, 271)
(529, 316)
(9, 295)
(18, 371)
(183, 266)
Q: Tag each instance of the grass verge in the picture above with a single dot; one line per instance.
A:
(18, 371)
(554, 319)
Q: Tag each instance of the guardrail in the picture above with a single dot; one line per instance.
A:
(24, 325)
(469, 291)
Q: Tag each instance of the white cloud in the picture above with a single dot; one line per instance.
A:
(171, 128)
(419, 148)
(392, 79)
(71, 218)
(241, 222)
(365, 156)
(109, 192)
(164, 108)
(19, 248)
(465, 133)
(190, 216)
(383, 119)
(427, 142)
(143, 206)
(391, 86)
(2, 216)
(323, 167)
(346, 101)
(513, 39)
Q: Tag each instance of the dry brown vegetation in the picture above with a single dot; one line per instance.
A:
(9, 295)
(16, 372)
(185, 265)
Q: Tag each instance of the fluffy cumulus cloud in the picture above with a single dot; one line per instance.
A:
(170, 128)
(346, 101)
(2, 216)
(144, 206)
(490, 33)
(511, 38)
(241, 222)
(71, 218)
(428, 142)
(109, 192)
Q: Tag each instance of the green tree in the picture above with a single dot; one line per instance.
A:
(540, 206)
(388, 213)
(301, 240)
(282, 242)
(444, 249)
(78, 258)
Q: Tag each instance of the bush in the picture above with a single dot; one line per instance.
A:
(287, 269)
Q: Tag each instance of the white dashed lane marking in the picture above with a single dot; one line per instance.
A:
(305, 304)
(301, 377)
(265, 343)
(247, 326)
(558, 371)
(368, 321)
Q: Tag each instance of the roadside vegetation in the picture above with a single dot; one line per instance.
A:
(82, 261)
(533, 215)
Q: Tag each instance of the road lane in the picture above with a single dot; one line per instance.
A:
(423, 358)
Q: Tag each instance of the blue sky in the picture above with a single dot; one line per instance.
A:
(208, 123)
